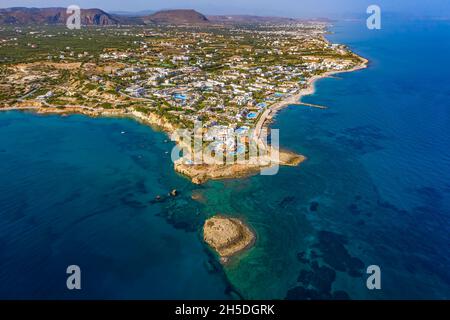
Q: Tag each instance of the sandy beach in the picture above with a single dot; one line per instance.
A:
(296, 99)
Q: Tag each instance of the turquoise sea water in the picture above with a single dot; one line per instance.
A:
(374, 191)
(75, 190)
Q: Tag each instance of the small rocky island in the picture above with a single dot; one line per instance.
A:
(227, 236)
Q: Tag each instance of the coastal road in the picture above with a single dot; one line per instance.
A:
(294, 99)
(260, 124)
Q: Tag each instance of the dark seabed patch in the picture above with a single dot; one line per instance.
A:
(335, 254)
(313, 206)
(318, 271)
(362, 139)
(182, 213)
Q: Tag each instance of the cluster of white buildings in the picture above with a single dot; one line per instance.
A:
(227, 139)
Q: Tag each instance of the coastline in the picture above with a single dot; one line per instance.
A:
(201, 173)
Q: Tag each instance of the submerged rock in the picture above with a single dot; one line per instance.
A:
(321, 278)
(313, 206)
(340, 295)
(178, 212)
(158, 199)
(301, 256)
(336, 255)
(302, 293)
(198, 196)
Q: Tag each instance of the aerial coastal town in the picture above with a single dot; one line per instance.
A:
(242, 156)
(219, 78)
(231, 78)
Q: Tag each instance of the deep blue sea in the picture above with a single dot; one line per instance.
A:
(375, 190)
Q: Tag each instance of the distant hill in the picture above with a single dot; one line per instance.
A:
(41, 16)
(176, 17)
(98, 17)
(133, 13)
(249, 19)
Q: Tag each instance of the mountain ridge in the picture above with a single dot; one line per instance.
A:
(99, 17)
(177, 16)
(53, 16)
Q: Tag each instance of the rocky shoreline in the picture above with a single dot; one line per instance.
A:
(201, 173)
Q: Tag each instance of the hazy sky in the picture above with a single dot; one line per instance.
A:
(291, 8)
